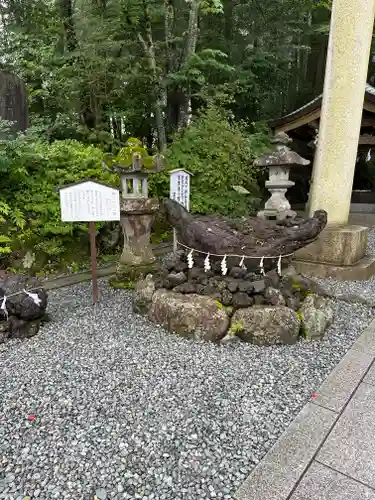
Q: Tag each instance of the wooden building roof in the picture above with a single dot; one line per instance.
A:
(303, 122)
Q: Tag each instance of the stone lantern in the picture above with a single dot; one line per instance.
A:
(137, 213)
(278, 164)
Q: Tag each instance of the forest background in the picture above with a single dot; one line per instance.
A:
(194, 79)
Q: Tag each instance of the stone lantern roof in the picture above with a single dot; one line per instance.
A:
(137, 164)
(283, 156)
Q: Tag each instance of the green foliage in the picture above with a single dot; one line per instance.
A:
(123, 285)
(93, 66)
(10, 223)
(220, 154)
(133, 150)
(236, 328)
(32, 170)
(302, 331)
(326, 4)
(228, 309)
(302, 290)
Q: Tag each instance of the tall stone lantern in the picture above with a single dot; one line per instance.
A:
(279, 163)
(137, 210)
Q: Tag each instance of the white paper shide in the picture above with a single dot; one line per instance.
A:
(89, 202)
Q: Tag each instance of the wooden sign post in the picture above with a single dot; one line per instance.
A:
(180, 192)
(90, 201)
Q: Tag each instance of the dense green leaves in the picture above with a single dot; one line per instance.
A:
(32, 171)
(220, 154)
(100, 71)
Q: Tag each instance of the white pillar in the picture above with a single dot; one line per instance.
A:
(344, 88)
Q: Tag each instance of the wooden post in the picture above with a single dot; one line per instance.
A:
(94, 272)
(90, 201)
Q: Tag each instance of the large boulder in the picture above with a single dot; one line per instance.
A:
(193, 316)
(27, 307)
(142, 294)
(316, 315)
(21, 328)
(24, 306)
(267, 325)
(4, 331)
(274, 297)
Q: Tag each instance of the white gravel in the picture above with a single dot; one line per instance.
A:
(128, 411)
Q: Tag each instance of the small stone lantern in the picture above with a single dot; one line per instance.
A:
(278, 164)
(137, 213)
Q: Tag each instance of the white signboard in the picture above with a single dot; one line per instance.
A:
(89, 202)
(180, 187)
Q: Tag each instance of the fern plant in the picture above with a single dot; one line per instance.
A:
(10, 222)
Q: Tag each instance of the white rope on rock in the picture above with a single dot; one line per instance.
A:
(3, 307)
(190, 259)
(207, 264)
(224, 267)
(262, 266)
(279, 266)
(235, 255)
(33, 296)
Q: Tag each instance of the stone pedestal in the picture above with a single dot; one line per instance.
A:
(137, 258)
(339, 252)
(278, 207)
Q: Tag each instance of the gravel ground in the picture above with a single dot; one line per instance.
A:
(125, 410)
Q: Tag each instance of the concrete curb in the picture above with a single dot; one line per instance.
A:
(104, 271)
(279, 473)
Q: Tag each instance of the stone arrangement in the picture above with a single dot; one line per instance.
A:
(23, 306)
(205, 305)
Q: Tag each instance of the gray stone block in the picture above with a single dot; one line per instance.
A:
(350, 448)
(366, 341)
(322, 483)
(275, 477)
(370, 376)
(338, 387)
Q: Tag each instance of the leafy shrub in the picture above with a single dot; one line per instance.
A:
(31, 171)
(220, 154)
(11, 221)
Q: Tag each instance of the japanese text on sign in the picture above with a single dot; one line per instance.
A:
(180, 188)
(89, 202)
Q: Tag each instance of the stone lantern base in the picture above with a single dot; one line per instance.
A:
(137, 258)
(277, 207)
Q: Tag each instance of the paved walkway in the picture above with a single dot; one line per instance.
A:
(328, 452)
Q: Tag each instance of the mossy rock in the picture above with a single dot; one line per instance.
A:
(123, 285)
(127, 273)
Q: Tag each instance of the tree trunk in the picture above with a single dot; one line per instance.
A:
(13, 101)
(249, 237)
(190, 47)
(159, 94)
(66, 13)
(160, 91)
